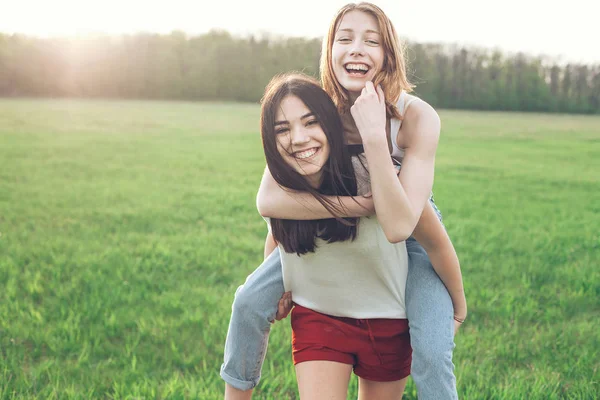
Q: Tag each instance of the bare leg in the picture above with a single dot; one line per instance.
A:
(327, 380)
(371, 390)
(232, 393)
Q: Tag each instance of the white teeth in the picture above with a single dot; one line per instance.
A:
(306, 153)
(357, 67)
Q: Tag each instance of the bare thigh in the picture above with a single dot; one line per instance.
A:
(323, 380)
(371, 390)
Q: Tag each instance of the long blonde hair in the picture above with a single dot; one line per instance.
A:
(392, 76)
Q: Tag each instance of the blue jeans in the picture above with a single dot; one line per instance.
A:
(428, 307)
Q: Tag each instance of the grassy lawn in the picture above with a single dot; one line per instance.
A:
(125, 228)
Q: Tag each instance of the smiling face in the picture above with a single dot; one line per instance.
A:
(357, 53)
(301, 141)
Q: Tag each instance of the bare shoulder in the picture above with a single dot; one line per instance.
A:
(420, 111)
(421, 124)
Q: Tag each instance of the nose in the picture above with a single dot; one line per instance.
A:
(299, 137)
(357, 48)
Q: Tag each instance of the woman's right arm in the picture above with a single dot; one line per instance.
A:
(285, 303)
(274, 201)
(270, 245)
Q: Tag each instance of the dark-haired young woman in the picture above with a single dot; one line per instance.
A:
(362, 48)
(346, 278)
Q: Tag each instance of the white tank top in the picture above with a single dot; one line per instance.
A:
(395, 124)
(364, 278)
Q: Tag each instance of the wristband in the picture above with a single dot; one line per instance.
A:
(460, 321)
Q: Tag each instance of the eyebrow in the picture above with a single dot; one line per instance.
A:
(308, 114)
(351, 30)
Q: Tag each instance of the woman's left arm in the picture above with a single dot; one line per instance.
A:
(432, 235)
(399, 200)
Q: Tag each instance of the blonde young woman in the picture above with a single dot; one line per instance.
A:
(361, 57)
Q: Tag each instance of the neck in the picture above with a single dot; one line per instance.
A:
(315, 180)
(352, 96)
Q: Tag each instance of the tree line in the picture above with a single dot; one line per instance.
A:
(224, 67)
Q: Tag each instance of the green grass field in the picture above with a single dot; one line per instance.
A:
(125, 228)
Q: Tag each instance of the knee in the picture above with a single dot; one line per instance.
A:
(249, 305)
(433, 351)
(244, 302)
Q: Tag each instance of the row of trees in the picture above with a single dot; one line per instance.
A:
(219, 66)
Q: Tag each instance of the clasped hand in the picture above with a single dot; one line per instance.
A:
(369, 113)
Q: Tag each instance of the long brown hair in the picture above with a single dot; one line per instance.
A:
(338, 175)
(392, 76)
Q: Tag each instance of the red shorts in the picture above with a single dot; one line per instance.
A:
(379, 349)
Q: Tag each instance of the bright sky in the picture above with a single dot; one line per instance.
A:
(567, 30)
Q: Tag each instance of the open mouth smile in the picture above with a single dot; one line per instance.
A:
(356, 69)
(306, 154)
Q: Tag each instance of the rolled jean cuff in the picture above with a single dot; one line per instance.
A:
(236, 383)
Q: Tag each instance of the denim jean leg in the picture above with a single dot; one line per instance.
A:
(254, 307)
(430, 314)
